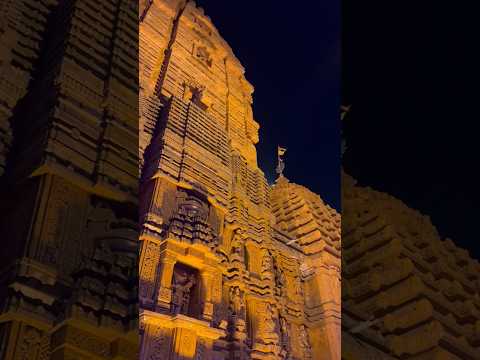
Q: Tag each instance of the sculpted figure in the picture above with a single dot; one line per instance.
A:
(237, 249)
(204, 55)
(182, 286)
(280, 281)
(299, 289)
(267, 263)
(237, 309)
(286, 352)
(305, 342)
(267, 326)
(237, 302)
(285, 331)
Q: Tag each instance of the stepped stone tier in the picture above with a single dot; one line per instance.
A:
(68, 154)
(22, 24)
(407, 294)
(230, 268)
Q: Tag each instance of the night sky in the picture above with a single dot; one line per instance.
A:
(291, 54)
(411, 76)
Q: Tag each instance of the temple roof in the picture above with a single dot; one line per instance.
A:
(392, 252)
(305, 217)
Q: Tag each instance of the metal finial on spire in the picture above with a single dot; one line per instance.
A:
(281, 163)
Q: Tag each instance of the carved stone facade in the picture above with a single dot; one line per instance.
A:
(19, 44)
(230, 268)
(69, 179)
(407, 294)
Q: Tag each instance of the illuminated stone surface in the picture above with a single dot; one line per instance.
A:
(406, 293)
(230, 268)
(19, 51)
(68, 219)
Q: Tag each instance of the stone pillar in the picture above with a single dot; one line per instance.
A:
(207, 278)
(149, 260)
(184, 344)
(323, 299)
(164, 298)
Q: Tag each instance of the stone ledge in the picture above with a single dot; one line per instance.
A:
(202, 328)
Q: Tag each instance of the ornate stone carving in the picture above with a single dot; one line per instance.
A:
(305, 342)
(237, 246)
(267, 264)
(182, 287)
(148, 267)
(29, 347)
(267, 326)
(73, 174)
(158, 344)
(237, 310)
(299, 294)
(280, 281)
(223, 219)
(90, 342)
(237, 302)
(203, 55)
(285, 343)
(190, 223)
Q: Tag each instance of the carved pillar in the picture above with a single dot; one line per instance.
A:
(149, 259)
(156, 342)
(164, 298)
(322, 296)
(207, 277)
(185, 342)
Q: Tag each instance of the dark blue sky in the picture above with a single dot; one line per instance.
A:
(291, 53)
(411, 75)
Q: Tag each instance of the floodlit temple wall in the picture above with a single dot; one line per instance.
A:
(230, 267)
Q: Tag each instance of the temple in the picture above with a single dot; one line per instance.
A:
(230, 267)
(68, 179)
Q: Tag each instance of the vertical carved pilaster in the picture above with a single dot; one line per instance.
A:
(156, 343)
(164, 298)
(149, 258)
(29, 346)
(185, 343)
(207, 284)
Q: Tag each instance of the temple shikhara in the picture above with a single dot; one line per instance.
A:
(406, 292)
(230, 267)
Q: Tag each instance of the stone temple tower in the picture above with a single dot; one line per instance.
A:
(230, 267)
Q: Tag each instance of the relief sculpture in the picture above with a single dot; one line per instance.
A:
(182, 287)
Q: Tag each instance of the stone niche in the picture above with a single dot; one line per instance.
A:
(186, 291)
